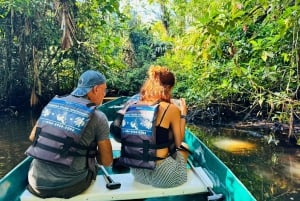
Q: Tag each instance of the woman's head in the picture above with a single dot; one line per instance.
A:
(162, 74)
(158, 85)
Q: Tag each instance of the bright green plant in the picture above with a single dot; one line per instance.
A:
(241, 53)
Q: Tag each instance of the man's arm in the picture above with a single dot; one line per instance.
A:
(105, 156)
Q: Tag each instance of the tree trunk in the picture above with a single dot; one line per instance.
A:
(8, 64)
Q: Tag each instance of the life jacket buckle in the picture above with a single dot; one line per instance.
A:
(66, 147)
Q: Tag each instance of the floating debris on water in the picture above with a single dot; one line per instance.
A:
(271, 139)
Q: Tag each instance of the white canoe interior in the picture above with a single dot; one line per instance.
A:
(197, 182)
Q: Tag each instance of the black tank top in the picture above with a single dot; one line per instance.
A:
(162, 134)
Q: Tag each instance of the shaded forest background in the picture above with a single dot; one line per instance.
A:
(234, 60)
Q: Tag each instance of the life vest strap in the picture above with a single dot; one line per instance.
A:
(68, 140)
(62, 152)
(146, 144)
(145, 156)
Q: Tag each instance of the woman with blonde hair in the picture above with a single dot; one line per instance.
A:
(170, 166)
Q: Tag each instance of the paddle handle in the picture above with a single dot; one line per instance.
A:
(103, 170)
(110, 180)
(111, 184)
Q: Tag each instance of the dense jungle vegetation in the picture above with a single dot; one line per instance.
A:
(234, 60)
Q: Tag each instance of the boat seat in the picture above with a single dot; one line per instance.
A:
(130, 189)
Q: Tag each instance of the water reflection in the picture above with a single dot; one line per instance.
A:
(233, 145)
(280, 176)
(13, 140)
(269, 171)
(291, 166)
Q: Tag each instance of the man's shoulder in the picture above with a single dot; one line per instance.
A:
(99, 115)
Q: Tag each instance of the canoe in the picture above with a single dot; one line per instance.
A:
(208, 177)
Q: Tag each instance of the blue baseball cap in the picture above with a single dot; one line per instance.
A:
(87, 81)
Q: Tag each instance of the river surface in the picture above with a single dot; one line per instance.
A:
(269, 171)
(14, 140)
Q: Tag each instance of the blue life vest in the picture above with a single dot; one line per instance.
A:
(138, 137)
(59, 130)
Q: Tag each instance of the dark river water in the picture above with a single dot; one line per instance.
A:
(269, 171)
(14, 140)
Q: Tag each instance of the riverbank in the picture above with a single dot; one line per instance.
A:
(286, 134)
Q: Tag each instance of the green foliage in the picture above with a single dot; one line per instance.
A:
(237, 52)
(127, 82)
(242, 53)
(145, 51)
(145, 48)
(32, 39)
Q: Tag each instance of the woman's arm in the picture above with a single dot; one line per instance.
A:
(115, 127)
(177, 119)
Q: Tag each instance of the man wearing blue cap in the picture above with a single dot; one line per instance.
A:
(67, 138)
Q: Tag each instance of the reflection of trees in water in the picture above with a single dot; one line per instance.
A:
(233, 145)
(285, 177)
(269, 172)
(11, 155)
(291, 166)
(14, 141)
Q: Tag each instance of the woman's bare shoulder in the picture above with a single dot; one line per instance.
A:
(171, 107)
